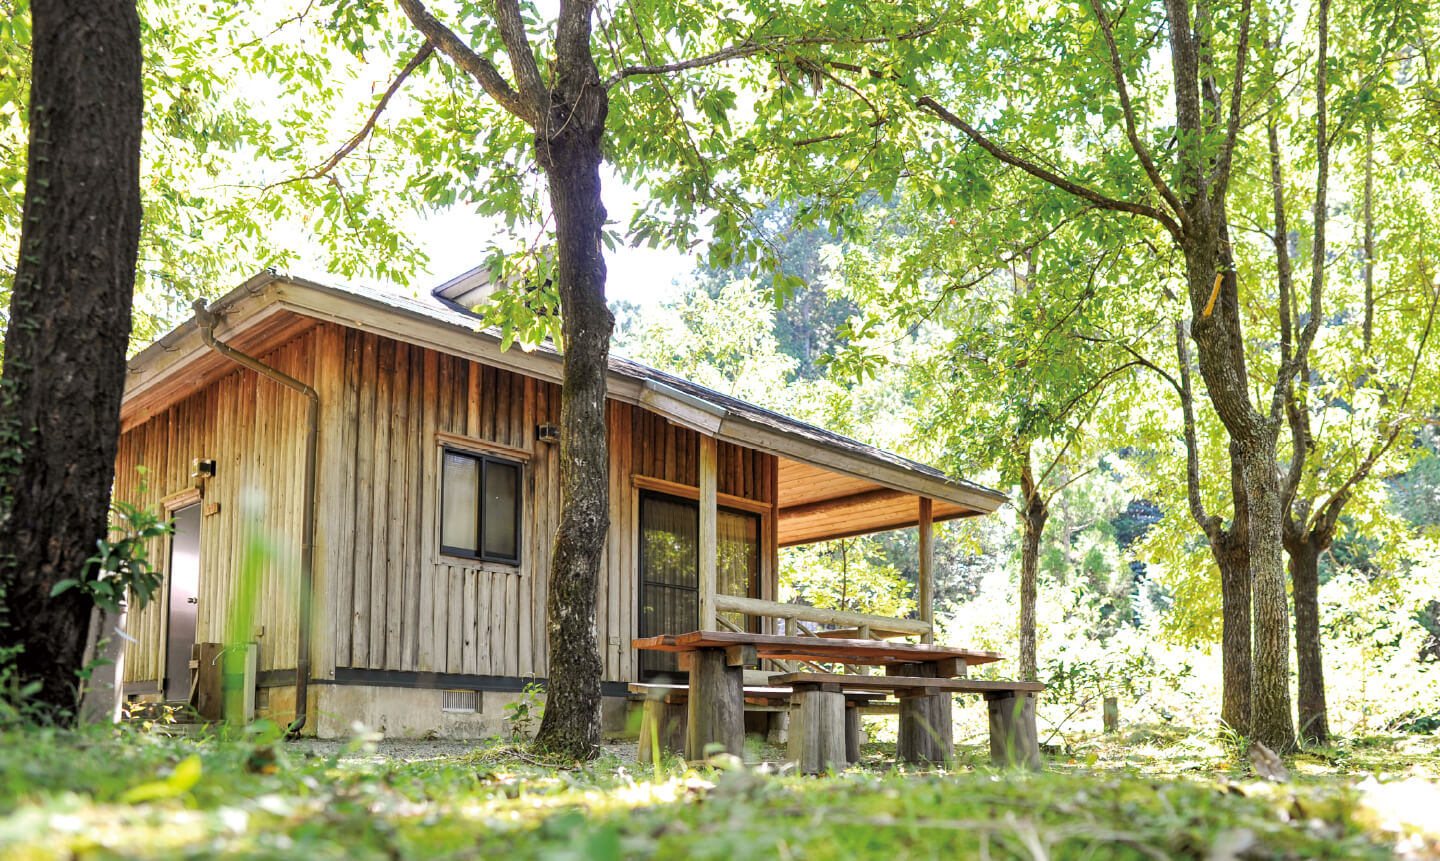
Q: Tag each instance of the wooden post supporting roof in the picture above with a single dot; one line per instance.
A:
(927, 565)
(709, 498)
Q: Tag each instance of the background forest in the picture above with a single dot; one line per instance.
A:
(1129, 602)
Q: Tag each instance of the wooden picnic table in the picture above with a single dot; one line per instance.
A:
(831, 650)
(717, 660)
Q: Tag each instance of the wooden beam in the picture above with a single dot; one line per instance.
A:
(911, 685)
(773, 609)
(482, 446)
(770, 584)
(690, 491)
(708, 518)
(927, 565)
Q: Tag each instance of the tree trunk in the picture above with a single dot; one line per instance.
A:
(1215, 329)
(1033, 518)
(1305, 582)
(64, 368)
(1232, 554)
(571, 160)
(1231, 549)
(1270, 719)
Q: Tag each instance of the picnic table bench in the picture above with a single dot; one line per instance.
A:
(1011, 707)
(664, 712)
(923, 677)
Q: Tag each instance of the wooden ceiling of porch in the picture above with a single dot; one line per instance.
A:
(819, 505)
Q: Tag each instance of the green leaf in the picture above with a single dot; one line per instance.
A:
(181, 780)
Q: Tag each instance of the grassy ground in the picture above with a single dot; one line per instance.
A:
(1151, 792)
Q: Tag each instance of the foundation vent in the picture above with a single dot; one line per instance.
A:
(463, 702)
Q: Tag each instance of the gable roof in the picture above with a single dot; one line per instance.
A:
(254, 312)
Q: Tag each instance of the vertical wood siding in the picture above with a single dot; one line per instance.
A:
(385, 598)
(398, 604)
(254, 429)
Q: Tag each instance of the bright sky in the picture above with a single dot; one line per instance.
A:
(645, 276)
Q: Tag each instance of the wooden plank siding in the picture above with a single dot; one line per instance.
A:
(254, 430)
(386, 598)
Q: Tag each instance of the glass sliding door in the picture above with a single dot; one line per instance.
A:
(669, 570)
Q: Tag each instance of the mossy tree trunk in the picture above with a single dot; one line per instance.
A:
(571, 160)
(69, 328)
(1310, 667)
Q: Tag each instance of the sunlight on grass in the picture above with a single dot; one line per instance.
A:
(1152, 792)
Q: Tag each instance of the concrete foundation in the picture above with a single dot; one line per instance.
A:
(334, 711)
(409, 713)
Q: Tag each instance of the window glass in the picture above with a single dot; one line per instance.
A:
(737, 563)
(670, 533)
(502, 501)
(669, 577)
(461, 507)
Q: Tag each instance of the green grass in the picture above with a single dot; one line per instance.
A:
(1152, 792)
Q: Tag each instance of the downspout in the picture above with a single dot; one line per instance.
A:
(205, 322)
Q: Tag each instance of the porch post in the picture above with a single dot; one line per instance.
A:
(708, 516)
(927, 565)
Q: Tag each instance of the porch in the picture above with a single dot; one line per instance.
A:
(710, 560)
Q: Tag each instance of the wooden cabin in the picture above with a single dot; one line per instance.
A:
(437, 486)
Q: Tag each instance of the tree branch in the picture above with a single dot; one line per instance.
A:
(1185, 69)
(1098, 384)
(293, 19)
(1220, 174)
(1129, 111)
(359, 137)
(1297, 415)
(1205, 521)
(572, 31)
(1296, 410)
(1139, 360)
(1288, 369)
(511, 25)
(479, 68)
(1051, 177)
(831, 76)
(1329, 513)
(1069, 481)
(752, 47)
(1281, 236)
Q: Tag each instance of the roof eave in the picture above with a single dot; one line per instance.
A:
(152, 365)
